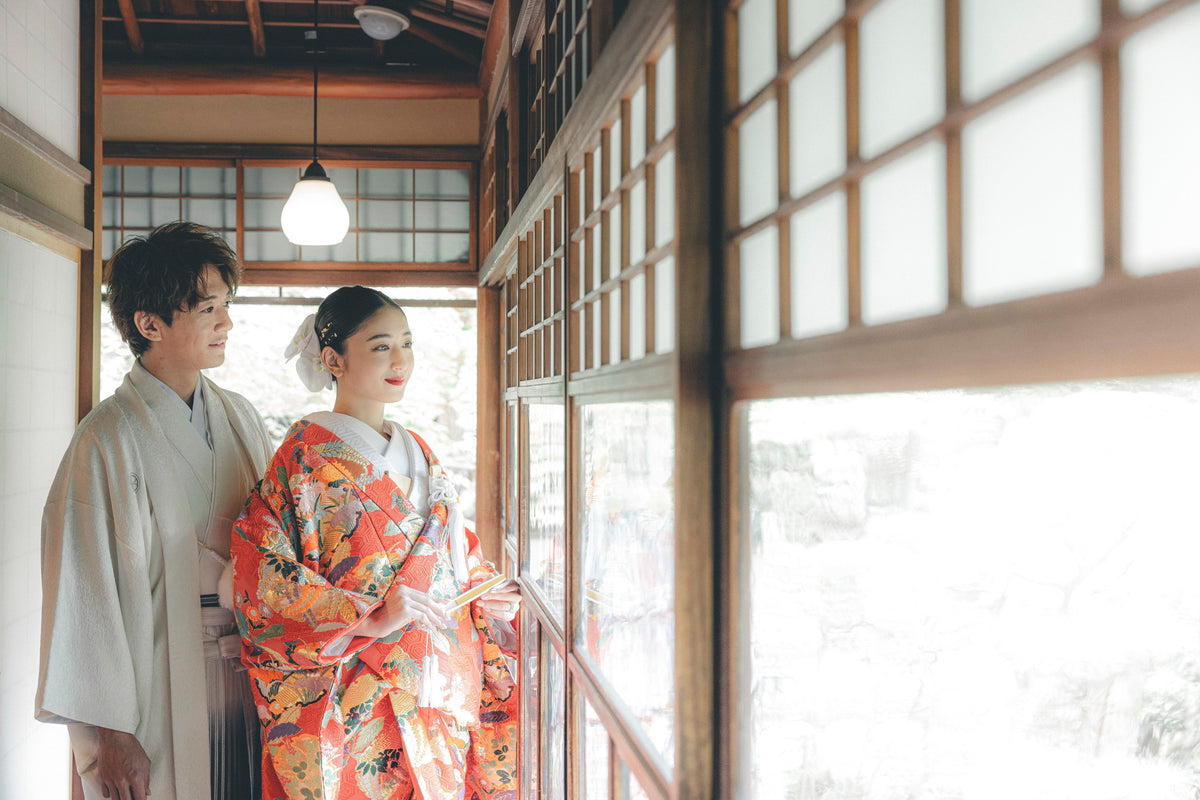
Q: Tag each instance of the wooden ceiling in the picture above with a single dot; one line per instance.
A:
(259, 47)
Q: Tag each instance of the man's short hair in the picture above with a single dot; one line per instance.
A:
(162, 273)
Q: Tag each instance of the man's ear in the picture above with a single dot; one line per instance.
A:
(333, 361)
(149, 325)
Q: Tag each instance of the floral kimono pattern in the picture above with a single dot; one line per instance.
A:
(321, 540)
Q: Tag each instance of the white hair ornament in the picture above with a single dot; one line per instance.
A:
(309, 365)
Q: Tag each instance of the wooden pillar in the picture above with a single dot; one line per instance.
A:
(91, 156)
(489, 466)
(700, 414)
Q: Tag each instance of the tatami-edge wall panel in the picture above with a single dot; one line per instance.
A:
(38, 291)
(39, 67)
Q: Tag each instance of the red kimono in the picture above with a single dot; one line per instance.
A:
(321, 540)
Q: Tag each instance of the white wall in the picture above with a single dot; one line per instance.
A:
(38, 292)
(39, 84)
(39, 67)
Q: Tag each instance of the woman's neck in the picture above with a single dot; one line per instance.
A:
(366, 411)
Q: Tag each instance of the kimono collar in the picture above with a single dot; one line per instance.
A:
(160, 395)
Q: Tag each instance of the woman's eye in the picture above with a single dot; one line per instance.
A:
(408, 345)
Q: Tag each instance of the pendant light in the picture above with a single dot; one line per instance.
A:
(314, 213)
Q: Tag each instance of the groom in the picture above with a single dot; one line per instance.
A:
(134, 534)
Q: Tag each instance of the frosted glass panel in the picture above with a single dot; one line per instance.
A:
(264, 213)
(597, 172)
(614, 158)
(808, 19)
(637, 127)
(904, 237)
(756, 46)
(817, 105)
(614, 241)
(627, 626)
(1160, 73)
(546, 566)
(438, 247)
(1031, 189)
(385, 183)
(987, 593)
(210, 181)
(759, 295)
(614, 326)
(553, 726)
(637, 222)
(664, 306)
(269, 181)
(1003, 41)
(270, 246)
(596, 333)
(664, 199)
(385, 247)
(386, 214)
(819, 290)
(443, 216)
(664, 87)
(758, 164)
(637, 316)
(443, 183)
(531, 660)
(595, 755)
(213, 213)
(902, 72)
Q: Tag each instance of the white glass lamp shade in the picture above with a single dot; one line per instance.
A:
(314, 213)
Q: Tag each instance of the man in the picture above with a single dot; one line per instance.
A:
(133, 535)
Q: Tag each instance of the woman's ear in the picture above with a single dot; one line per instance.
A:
(149, 325)
(333, 361)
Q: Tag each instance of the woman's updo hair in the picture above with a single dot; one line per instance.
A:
(344, 311)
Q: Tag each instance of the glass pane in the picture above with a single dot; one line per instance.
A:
(817, 105)
(758, 164)
(664, 199)
(614, 158)
(264, 213)
(213, 213)
(637, 127)
(759, 283)
(664, 305)
(637, 316)
(756, 46)
(442, 183)
(210, 181)
(547, 504)
(614, 326)
(164, 210)
(1003, 41)
(164, 181)
(597, 254)
(137, 212)
(902, 59)
(808, 19)
(514, 471)
(270, 181)
(137, 179)
(270, 246)
(385, 183)
(110, 177)
(628, 558)
(110, 212)
(1031, 192)
(553, 725)
(443, 216)
(385, 247)
(531, 696)
(594, 312)
(664, 87)
(1160, 110)
(904, 237)
(386, 215)
(986, 593)
(614, 242)
(438, 247)
(820, 302)
(637, 222)
(597, 171)
(109, 243)
(595, 755)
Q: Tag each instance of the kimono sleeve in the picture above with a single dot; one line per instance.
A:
(291, 615)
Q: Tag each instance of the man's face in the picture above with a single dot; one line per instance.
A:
(195, 339)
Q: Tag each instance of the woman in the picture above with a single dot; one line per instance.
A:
(369, 682)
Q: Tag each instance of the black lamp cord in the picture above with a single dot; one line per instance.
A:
(315, 50)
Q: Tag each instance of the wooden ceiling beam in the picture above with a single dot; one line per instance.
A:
(132, 31)
(139, 78)
(493, 47)
(478, 7)
(446, 21)
(421, 31)
(271, 23)
(258, 35)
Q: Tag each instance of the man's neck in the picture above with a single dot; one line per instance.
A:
(181, 382)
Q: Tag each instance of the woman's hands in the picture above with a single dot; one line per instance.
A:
(501, 603)
(402, 606)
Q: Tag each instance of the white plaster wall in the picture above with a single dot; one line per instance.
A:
(39, 67)
(38, 294)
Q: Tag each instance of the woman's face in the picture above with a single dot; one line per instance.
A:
(377, 360)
